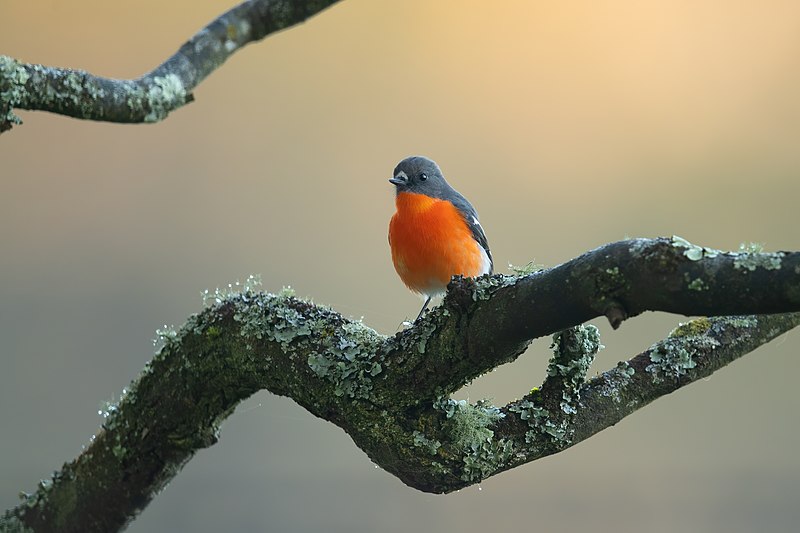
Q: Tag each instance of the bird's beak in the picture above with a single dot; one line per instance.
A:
(400, 179)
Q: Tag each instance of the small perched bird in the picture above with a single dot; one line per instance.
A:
(435, 233)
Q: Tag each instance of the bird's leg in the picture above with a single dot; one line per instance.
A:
(424, 306)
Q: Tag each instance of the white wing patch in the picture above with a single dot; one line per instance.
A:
(486, 263)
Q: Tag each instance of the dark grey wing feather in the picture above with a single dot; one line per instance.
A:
(471, 218)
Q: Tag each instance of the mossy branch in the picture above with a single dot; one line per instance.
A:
(151, 97)
(390, 394)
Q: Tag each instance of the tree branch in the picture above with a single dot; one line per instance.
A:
(390, 394)
(151, 97)
(492, 321)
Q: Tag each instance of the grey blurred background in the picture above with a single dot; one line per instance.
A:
(568, 125)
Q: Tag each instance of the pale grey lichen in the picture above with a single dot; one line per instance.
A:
(525, 270)
(638, 245)
(751, 247)
(614, 380)
(468, 429)
(675, 356)
(486, 285)
(486, 458)
(158, 98)
(539, 422)
(165, 336)
(692, 251)
(165, 94)
(744, 321)
(74, 92)
(744, 326)
(751, 261)
(250, 284)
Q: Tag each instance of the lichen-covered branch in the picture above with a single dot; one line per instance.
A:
(489, 322)
(153, 96)
(391, 394)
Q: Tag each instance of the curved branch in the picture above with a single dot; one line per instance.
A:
(151, 97)
(390, 393)
(493, 319)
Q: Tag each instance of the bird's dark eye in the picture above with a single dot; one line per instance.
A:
(422, 176)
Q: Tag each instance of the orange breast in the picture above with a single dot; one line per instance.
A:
(431, 243)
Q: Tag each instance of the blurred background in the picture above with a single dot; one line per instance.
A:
(568, 125)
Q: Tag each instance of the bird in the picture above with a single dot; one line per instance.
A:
(435, 233)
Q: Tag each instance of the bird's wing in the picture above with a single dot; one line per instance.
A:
(471, 218)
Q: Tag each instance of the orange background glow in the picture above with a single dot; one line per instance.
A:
(567, 124)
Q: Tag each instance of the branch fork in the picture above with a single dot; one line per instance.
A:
(392, 394)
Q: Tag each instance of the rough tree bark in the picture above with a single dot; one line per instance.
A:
(391, 394)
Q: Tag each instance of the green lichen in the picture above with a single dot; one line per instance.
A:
(752, 261)
(744, 324)
(267, 316)
(608, 282)
(469, 424)
(424, 331)
(697, 284)
(692, 251)
(448, 406)
(676, 355)
(469, 435)
(539, 422)
(422, 441)
(11, 524)
(349, 360)
(486, 458)
(691, 328)
(573, 353)
(13, 77)
(345, 355)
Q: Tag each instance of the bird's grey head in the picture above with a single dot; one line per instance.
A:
(417, 174)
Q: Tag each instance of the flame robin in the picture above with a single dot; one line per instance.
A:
(435, 233)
